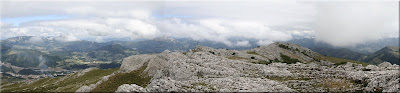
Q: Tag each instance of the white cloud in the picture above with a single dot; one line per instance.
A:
(93, 27)
(243, 43)
(264, 42)
(221, 30)
(36, 39)
(99, 39)
(206, 20)
(67, 37)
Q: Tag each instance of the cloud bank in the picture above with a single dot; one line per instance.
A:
(340, 24)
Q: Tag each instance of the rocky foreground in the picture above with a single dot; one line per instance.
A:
(279, 67)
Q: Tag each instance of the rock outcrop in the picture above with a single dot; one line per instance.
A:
(205, 69)
(202, 71)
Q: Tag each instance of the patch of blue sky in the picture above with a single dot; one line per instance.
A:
(16, 21)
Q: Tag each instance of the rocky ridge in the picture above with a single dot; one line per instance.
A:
(205, 69)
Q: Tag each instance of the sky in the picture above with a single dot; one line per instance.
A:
(339, 23)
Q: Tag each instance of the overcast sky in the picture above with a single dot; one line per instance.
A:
(340, 23)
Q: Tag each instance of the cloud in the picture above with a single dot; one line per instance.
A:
(340, 24)
(36, 39)
(350, 23)
(264, 42)
(209, 20)
(67, 38)
(221, 30)
(99, 39)
(243, 43)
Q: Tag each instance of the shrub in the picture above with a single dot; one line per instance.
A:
(316, 59)
(304, 53)
(340, 63)
(284, 46)
(288, 60)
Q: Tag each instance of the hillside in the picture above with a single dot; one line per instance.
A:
(68, 83)
(340, 53)
(278, 67)
(29, 58)
(389, 54)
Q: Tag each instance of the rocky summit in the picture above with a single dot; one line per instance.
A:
(278, 67)
(266, 68)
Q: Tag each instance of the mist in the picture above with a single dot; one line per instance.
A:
(350, 23)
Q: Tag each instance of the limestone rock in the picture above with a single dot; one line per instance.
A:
(130, 88)
(205, 69)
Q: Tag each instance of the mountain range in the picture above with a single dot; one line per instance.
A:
(18, 50)
(46, 55)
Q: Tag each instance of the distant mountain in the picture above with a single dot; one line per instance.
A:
(17, 40)
(31, 51)
(114, 52)
(89, 51)
(339, 53)
(83, 46)
(366, 52)
(160, 44)
(364, 48)
(30, 58)
(388, 53)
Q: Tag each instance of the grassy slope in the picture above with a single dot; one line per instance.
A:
(69, 84)
(135, 77)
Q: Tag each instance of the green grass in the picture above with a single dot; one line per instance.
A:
(10, 79)
(135, 77)
(68, 84)
(252, 52)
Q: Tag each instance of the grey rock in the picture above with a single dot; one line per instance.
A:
(205, 69)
